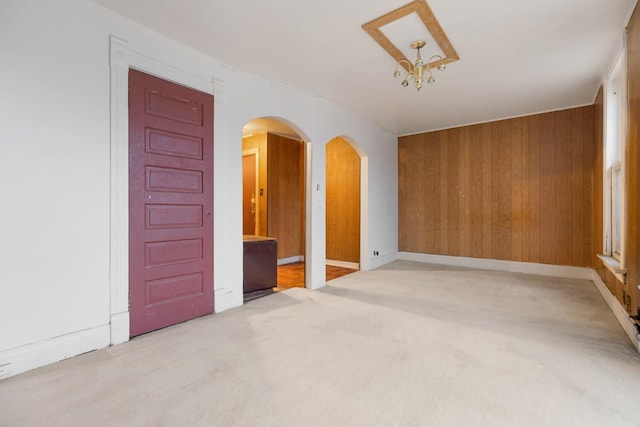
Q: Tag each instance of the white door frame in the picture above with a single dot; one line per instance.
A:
(121, 59)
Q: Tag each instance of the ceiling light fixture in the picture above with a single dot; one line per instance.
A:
(416, 71)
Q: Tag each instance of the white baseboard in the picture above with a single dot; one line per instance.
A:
(25, 358)
(291, 259)
(539, 269)
(618, 310)
(345, 264)
(564, 271)
(120, 328)
(381, 260)
(226, 299)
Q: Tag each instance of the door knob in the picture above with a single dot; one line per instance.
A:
(207, 214)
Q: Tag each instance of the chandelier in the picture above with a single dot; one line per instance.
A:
(416, 72)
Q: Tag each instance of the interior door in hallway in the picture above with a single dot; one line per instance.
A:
(170, 203)
(249, 205)
(343, 202)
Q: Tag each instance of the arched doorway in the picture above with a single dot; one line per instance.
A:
(343, 207)
(274, 204)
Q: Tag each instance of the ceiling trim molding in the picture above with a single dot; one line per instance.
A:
(424, 12)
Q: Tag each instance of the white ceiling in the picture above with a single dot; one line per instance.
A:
(517, 57)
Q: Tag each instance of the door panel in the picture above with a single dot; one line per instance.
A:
(170, 203)
(343, 201)
(173, 180)
(162, 142)
(173, 216)
(249, 194)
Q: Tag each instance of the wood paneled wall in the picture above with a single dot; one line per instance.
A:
(632, 162)
(518, 189)
(260, 142)
(285, 212)
(343, 201)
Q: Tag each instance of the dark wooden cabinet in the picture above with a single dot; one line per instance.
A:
(260, 263)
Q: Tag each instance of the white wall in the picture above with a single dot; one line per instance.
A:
(55, 172)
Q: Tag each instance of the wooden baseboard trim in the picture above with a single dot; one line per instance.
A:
(345, 264)
(291, 260)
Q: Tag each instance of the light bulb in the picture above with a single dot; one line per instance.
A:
(442, 67)
(431, 80)
(405, 83)
(396, 73)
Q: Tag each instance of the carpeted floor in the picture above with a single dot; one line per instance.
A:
(405, 345)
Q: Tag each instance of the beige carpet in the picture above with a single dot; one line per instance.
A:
(405, 345)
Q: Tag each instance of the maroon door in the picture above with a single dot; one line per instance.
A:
(249, 194)
(170, 203)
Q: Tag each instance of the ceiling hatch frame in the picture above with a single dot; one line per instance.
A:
(424, 12)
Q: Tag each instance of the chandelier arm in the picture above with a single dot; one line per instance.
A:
(436, 56)
(409, 64)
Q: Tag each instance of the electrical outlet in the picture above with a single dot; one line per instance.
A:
(376, 253)
(5, 369)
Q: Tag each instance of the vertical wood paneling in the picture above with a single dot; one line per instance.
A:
(443, 191)
(517, 218)
(428, 201)
(476, 188)
(587, 162)
(343, 201)
(534, 189)
(404, 189)
(486, 190)
(524, 188)
(548, 188)
(284, 211)
(501, 186)
(564, 188)
(464, 217)
(454, 229)
(517, 189)
(632, 162)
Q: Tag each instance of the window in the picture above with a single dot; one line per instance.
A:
(615, 131)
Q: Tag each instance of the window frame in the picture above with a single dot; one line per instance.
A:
(615, 133)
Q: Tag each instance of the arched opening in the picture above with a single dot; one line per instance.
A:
(343, 208)
(274, 206)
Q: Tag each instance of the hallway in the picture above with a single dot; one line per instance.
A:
(292, 275)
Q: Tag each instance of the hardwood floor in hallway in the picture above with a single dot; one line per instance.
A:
(292, 275)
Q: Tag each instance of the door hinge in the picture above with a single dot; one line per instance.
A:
(129, 306)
